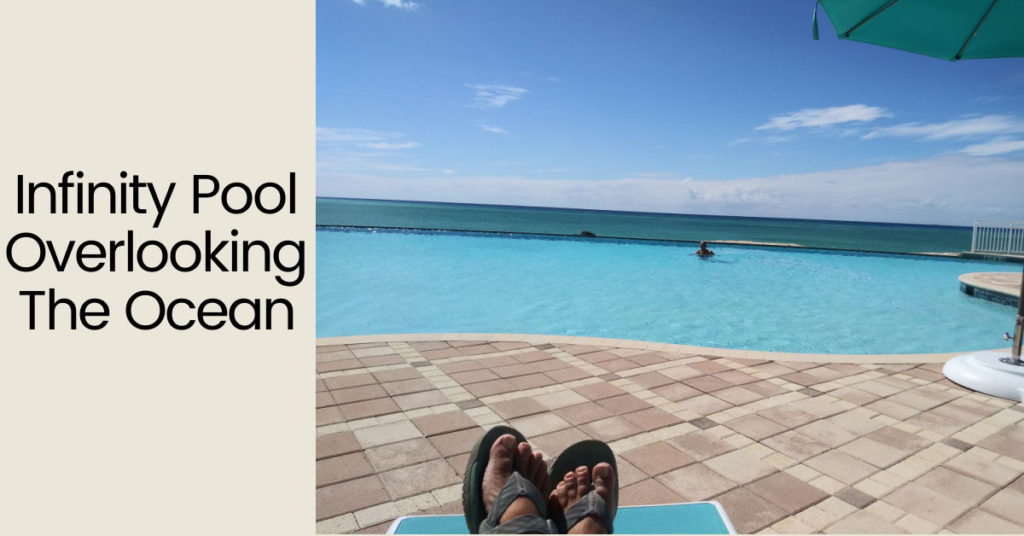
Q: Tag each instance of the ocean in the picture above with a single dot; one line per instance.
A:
(857, 236)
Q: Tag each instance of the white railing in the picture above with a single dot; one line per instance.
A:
(998, 237)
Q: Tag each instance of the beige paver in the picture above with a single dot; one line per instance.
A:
(394, 455)
(349, 496)
(418, 478)
(440, 423)
(342, 524)
(701, 445)
(651, 419)
(560, 399)
(454, 443)
(841, 466)
(982, 522)
(878, 454)
(555, 442)
(788, 492)
(827, 433)
(657, 458)
(695, 482)
(543, 423)
(336, 444)
(740, 466)
(610, 429)
(755, 426)
(926, 503)
(970, 463)
(387, 433)
(648, 491)
(864, 523)
(341, 468)
(748, 511)
(796, 445)
(956, 485)
(1007, 505)
(825, 513)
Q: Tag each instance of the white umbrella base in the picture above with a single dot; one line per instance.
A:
(986, 373)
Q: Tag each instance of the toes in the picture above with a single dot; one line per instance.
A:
(561, 494)
(604, 481)
(537, 469)
(604, 476)
(498, 468)
(524, 458)
(554, 503)
(501, 450)
(570, 487)
(582, 481)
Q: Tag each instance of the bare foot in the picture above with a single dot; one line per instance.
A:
(575, 485)
(499, 468)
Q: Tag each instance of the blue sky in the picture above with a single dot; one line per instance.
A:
(664, 106)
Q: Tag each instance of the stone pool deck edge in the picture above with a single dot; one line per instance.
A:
(878, 359)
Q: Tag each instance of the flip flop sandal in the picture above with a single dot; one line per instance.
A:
(587, 453)
(518, 486)
(472, 480)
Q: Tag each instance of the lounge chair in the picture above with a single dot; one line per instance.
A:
(682, 518)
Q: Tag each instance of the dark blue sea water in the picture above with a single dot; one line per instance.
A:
(861, 236)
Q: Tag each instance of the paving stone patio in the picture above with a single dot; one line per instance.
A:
(788, 445)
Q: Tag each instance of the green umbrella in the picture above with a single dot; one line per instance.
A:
(947, 29)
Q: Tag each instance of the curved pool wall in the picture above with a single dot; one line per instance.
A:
(749, 298)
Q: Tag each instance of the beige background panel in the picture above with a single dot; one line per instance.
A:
(163, 431)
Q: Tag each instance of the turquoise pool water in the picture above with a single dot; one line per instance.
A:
(758, 298)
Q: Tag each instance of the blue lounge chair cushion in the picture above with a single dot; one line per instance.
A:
(683, 518)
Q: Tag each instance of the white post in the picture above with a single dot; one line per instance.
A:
(974, 238)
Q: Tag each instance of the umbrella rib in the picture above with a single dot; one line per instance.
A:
(869, 17)
(960, 52)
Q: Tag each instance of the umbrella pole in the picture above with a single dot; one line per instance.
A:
(1018, 330)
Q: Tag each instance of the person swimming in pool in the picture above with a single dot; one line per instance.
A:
(704, 251)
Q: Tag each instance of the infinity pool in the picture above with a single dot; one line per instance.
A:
(756, 298)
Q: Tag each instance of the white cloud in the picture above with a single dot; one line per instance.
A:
(822, 117)
(996, 146)
(546, 78)
(958, 128)
(390, 146)
(989, 98)
(401, 4)
(334, 135)
(495, 130)
(495, 96)
(362, 150)
(364, 137)
(953, 189)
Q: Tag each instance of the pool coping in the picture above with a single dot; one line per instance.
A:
(652, 346)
